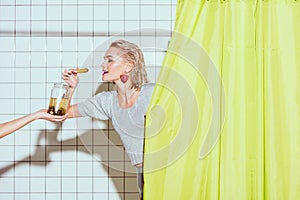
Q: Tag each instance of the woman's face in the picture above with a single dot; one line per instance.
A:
(113, 65)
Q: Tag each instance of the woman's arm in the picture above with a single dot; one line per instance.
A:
(71, 78)
(73, 112)
(14, 125)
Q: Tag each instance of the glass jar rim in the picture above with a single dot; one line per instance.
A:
(61, 84)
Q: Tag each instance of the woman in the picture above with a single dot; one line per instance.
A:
(14, 125)
(127, 105)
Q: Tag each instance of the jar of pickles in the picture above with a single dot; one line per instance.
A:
(59, 100)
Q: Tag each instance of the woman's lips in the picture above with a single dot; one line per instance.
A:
(104, 72)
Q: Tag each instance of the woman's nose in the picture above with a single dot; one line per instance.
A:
(103, 65)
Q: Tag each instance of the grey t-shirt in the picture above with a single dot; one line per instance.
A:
(128, 122)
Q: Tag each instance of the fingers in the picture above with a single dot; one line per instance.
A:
(43, 114)
(57, 118)
(70, 77)
(69, 73)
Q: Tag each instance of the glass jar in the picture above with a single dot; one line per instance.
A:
(59, 100)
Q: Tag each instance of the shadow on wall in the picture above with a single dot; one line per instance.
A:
(42, 153)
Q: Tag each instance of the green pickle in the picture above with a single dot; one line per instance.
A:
(58, 107)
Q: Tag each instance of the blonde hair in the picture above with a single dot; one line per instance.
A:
(133, 54)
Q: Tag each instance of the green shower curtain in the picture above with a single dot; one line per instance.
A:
(223, 121)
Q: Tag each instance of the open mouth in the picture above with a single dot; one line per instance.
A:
(104, 72)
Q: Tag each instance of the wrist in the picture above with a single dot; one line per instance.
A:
(40, 114)
(71, 91)
(36, 115)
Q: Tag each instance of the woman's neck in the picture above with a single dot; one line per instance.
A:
(127, 96)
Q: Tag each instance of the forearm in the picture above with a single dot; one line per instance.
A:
(73, 112)
(71, 78)
(11, 126)
(72, 90)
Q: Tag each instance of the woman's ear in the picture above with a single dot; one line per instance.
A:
(128, 67)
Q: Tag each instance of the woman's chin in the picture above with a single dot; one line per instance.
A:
(107, 80)
(104, 78)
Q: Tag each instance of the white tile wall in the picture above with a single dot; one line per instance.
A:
(81, 158)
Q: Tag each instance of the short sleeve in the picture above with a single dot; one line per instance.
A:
(98, 107)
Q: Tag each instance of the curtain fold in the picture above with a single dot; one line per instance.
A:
(223, 118)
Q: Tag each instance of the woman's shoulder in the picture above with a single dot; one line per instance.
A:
(106, 92)
(105, 95)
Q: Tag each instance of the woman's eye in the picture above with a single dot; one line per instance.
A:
(110, 60)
